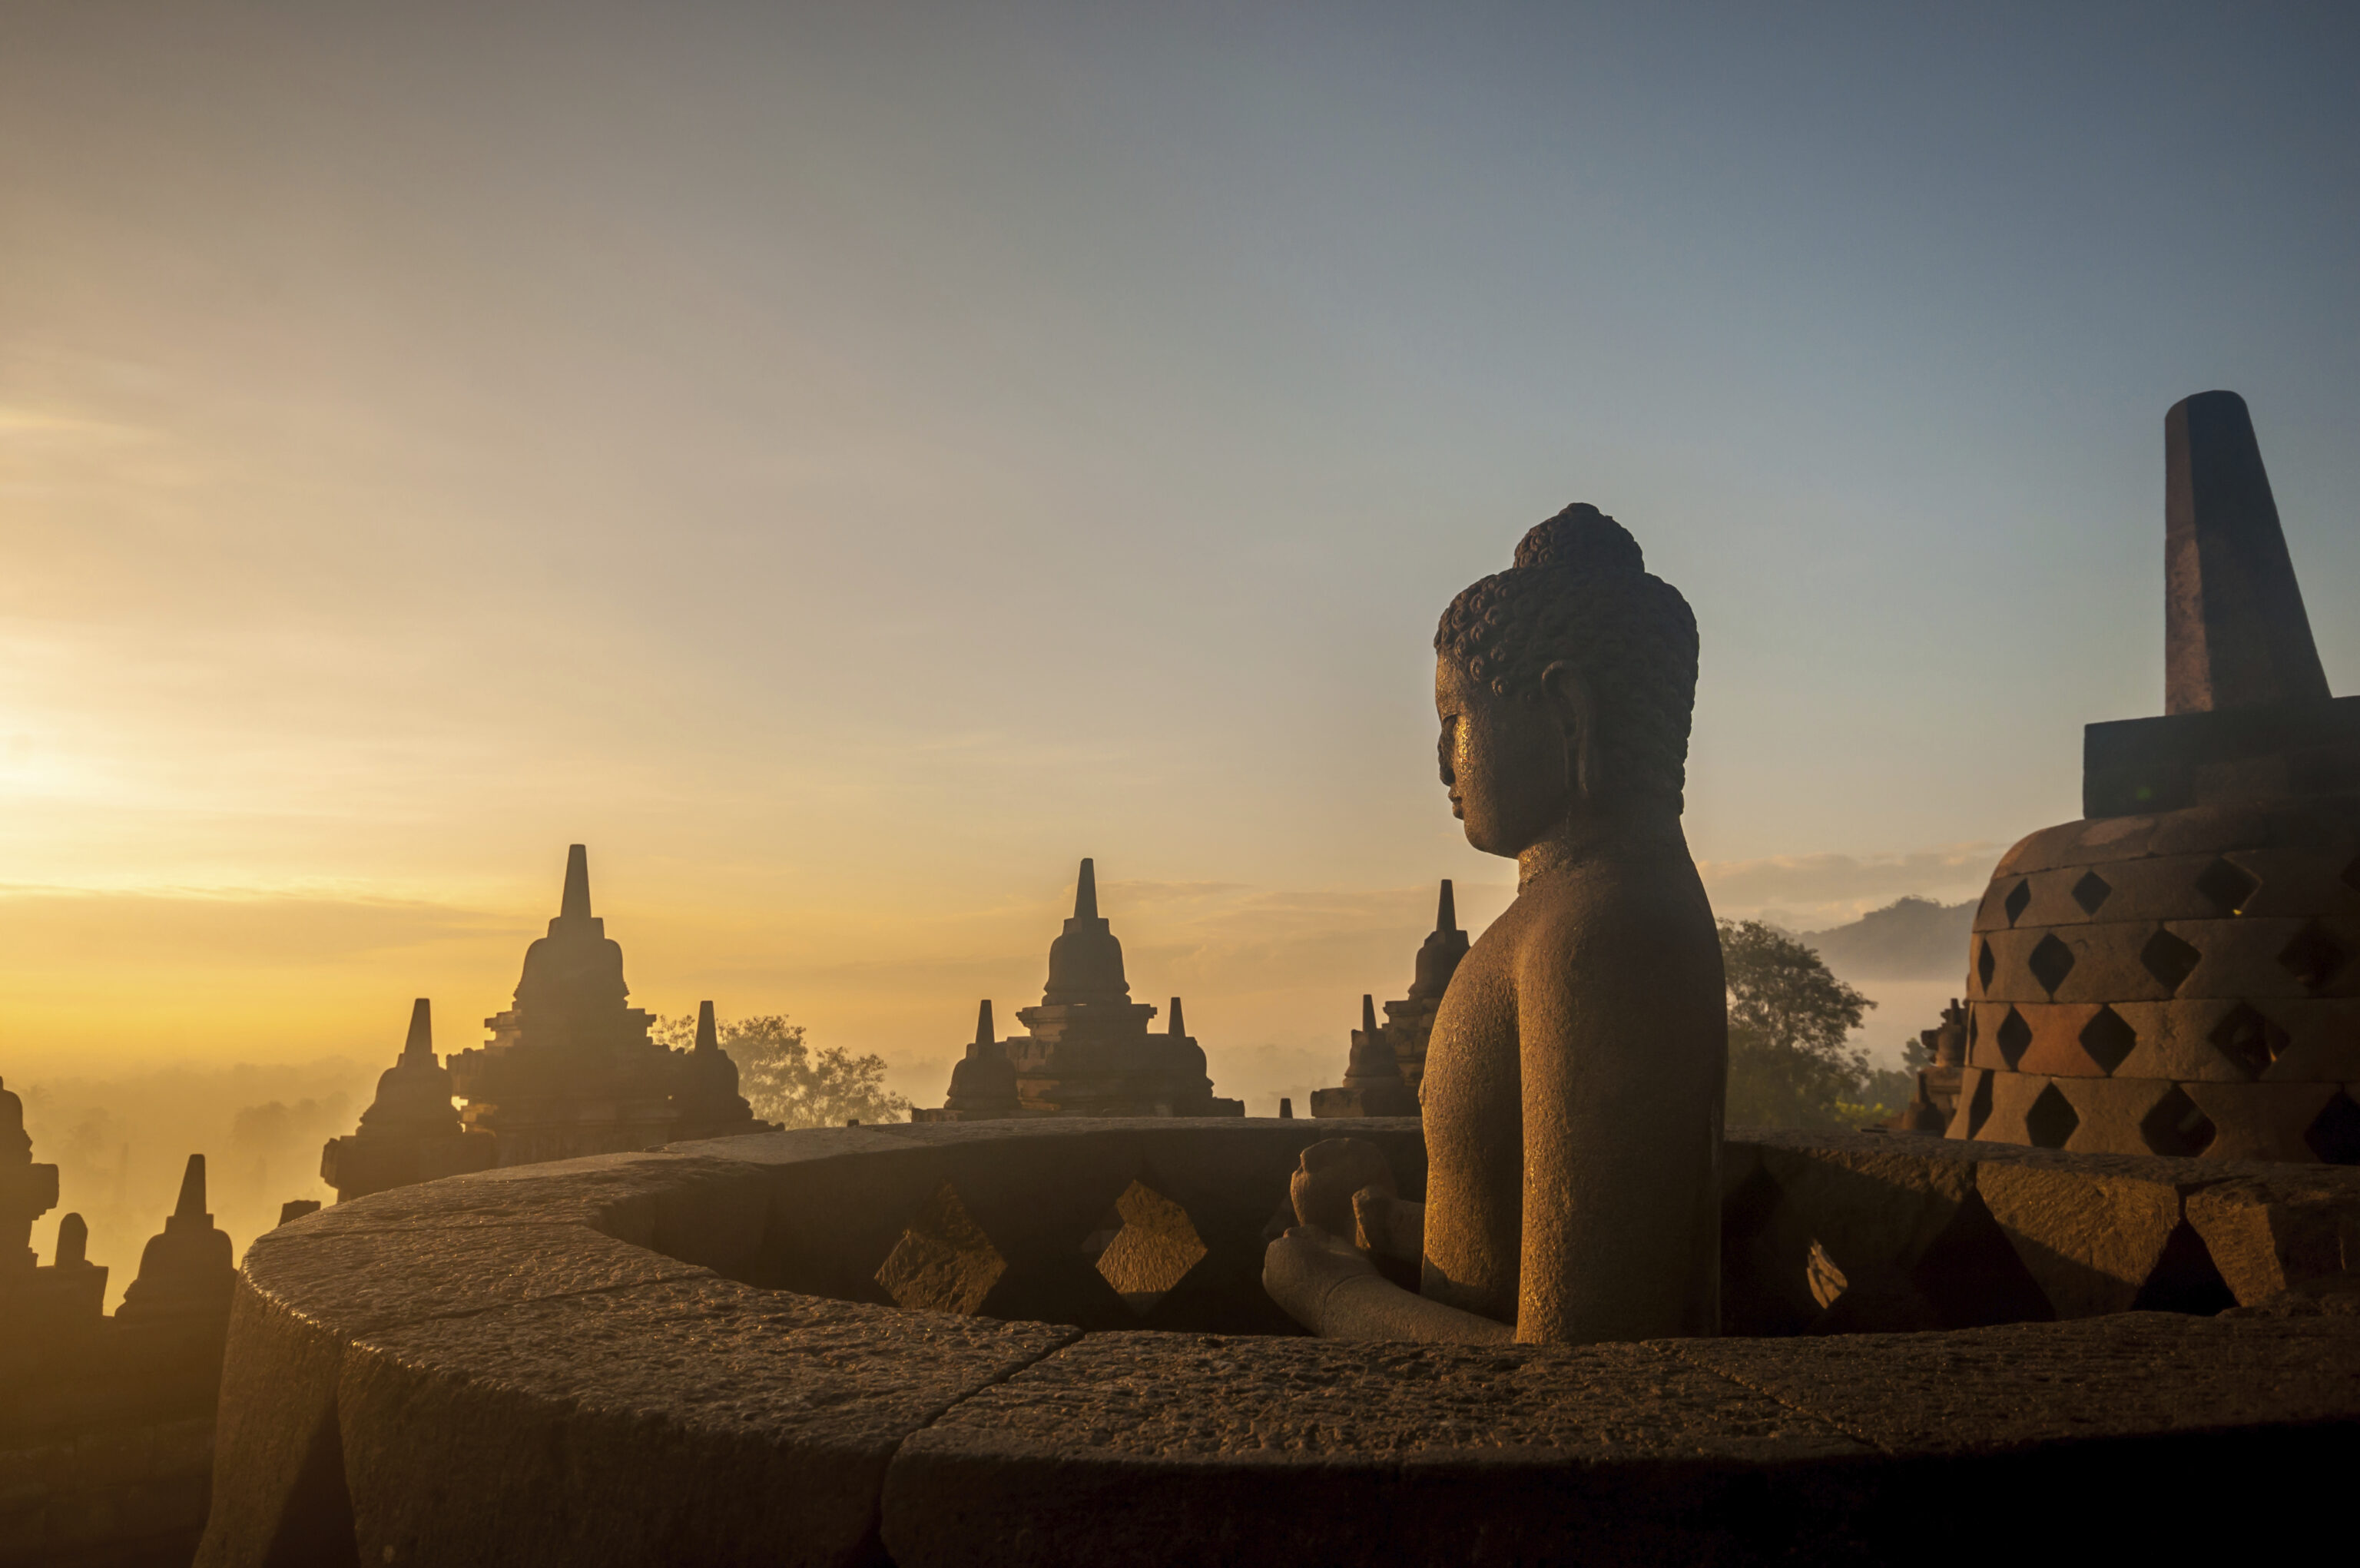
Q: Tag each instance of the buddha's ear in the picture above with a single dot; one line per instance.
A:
(1568, 695)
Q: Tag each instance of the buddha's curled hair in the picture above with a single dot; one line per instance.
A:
(1579, 593)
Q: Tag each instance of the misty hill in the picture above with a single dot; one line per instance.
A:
(1915, 938)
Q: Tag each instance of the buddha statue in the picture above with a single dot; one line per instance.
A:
(1572, 1092)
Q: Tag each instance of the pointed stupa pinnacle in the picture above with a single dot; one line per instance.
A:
(1368, 1014)
(2235, 634)
(1085, 960)
(421, 1042)
(73, 1242)
(708, 1037)
(576, 903)
(1177, 1026)
(985, 1034)
(193, 1192)
(1445, 912)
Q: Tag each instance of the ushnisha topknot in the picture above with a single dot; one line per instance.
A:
(1583, 538)
(1579, 594)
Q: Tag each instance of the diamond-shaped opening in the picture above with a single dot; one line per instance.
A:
(2051, 1120)
(2017, 897)
(2091, 891)
(1979, 1105)
(2249, 1039)
(2014, 1037)
(2051, 961)
(2226, 886)
(2168, 959)
(1153, 1251)
(2108, 1039)
(943, 1262)
(2175, 1126)
(2334, 1134)
(1984, 965)
(2313, 956)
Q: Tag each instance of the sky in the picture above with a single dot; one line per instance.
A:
(845, 464)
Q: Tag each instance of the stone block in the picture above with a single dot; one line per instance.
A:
(2110, 1112)
(2260, 1121)
(704, 1422)
(2137, 1378)
(2077, 844)
(2013, 1095)
(2097, 962)
(2090, 1242)
(2174, 1039)
(356, 1281)
(2258, 960)
(2323, 1042)
(1318, 1452)
(2294, 1231)
(2055, 1047)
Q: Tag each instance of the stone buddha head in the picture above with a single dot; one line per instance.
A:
(1565, 686)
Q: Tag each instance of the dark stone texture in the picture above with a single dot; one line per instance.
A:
(1313, 1451)
(538, 1365)
(2235, 632)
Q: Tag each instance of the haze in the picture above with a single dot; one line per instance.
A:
(846, 464)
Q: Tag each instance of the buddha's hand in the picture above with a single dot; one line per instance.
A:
(1328, 1173)
(1304, 1268)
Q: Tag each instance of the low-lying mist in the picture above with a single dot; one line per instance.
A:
(120, 1144)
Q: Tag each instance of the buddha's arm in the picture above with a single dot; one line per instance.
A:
(1326, 1285)
(1622, 1077)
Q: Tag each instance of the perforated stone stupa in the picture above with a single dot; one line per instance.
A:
(570, 1070)
(1085, 1051)
(1409, 1024)
(410, 1132)
(2176, 973)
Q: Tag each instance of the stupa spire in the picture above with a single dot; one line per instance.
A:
(1085, 960)
(708, 1036)
(1446, 910)
(1177, 1026)
(192, 1208)
(421, 1042)
(576, 903)
(2235, 634)
(985, 1034)
(1368, 1014)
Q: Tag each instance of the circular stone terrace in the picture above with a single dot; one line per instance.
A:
(1046, 1341)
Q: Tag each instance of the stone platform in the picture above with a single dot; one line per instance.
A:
(1044, 1342)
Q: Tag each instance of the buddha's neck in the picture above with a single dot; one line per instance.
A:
(1598, 835)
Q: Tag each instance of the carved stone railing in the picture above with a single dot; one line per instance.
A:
(1044, 1342)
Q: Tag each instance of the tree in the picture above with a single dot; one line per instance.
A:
(1788, 1019)
(785, 1080)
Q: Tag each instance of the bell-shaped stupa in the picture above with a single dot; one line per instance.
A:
(2177, 972)
(707, 1103)
(1085, 1051)
(570, 1068)
(1408, 1027)
(411, 1131)
(185, 1272)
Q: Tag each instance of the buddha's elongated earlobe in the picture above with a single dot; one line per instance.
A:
(1565, 690)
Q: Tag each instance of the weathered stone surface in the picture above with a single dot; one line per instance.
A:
(1112, 1451)
(693, 1417)
(2286, 1231)
(1988, 1390)
(2090, 1242)
(353, 1283)
(694, 1422)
